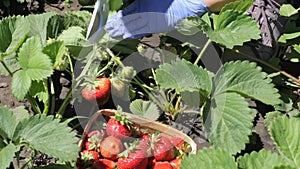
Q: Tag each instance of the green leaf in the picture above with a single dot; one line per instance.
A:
(56, 51)
(286, 134)
(39, 89)
(115, 4)
(182, 76)
(231, 28)
(288, 10)
(144, 108)
(73, 36)
(13, 32)
(35, 65)
(7, 155)
(297, 48)
(11, 62)
(21, 83)
(239, 5)
(54, 166)
(48, 135)
(21, 113)
(263, 160)
(38, 25)
(270, 116)
(228, 122)
(247, 79)
(284, 167)
(209, 158)
(288, 36)
(33, 61)
(8, 122)
(59, 23)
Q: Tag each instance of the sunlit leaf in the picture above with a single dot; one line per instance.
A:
(228, 122)
(6, 155)
(144, 108)
(262, 160)
(286, 134)
(48, 135)
(8, 122)
(183, 76)
(209, 158)
(247, 79)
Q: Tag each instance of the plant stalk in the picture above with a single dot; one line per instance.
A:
(202, 51)
(295, 80)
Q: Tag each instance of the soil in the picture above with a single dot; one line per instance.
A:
(188, 122)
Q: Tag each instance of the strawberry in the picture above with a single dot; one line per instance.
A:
(94, 139)
(176, 163)
(110, 147)
(177, 142)
(163, 149)
(136, 159)
(89, 156)
(103, 164)
(145, 144)
(119, 127)
(162, 165)
(146, 136)
(97, 90)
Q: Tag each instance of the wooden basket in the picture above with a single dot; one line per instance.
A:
(143, 123)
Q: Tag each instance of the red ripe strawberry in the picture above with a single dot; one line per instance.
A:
(162, 165)
(177, 142)
(93, 139)
(146, 136)
(89, 156)
(119, 127)
(176, 163)
(103, 164)
(110, 147)
(97, 91)
(136, 159)
(163, 149)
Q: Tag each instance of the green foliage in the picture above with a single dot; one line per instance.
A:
(39, 132)
(263, 159)
(228, 122)
(246, 79)
(8, 122)
(238, 5)
(209, 158)
(35, 65)
(13, 32)
(144, 108)
(49, 136)
(182, 76)
(38, 25)
(230, 28)
(288, 10)
(286, 134)
(6, 155)
(115, 4)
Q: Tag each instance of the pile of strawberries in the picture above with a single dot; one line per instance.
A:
(124, 145)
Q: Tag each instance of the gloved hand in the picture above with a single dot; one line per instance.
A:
(144, 17)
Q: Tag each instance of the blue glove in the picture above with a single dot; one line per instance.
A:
(144, 17)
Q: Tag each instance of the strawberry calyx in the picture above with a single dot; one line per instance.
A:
(129, 148)
(94, 139)
(89, 156)
(123, 119)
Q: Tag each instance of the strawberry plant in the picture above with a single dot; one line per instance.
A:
(39, 133)
(35, 48)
